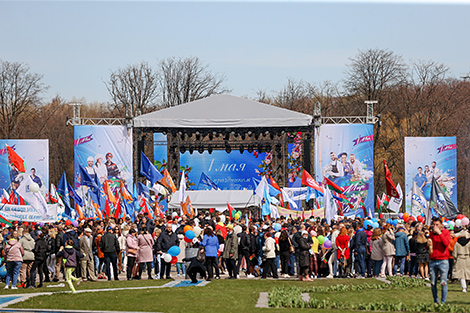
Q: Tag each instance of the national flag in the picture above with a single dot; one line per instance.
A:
(15, 160)
(125, 194)
(5, 197)
(330, 206)
(379, 207)
(34, 198)
(362, 206)
(181, 193)
(330, 184)
(167, 181)
(385, 200)
(63, 191)
(5, 221)
(107, 208)
(308, 180)
(231, 210)
(55, 198)
(444, 206)
(391, 189)
(85, 178)
(259, 186)
(206, 181)
(149, 170)
(187, 207)
(275, 185)
(109, 193)
(419, 204)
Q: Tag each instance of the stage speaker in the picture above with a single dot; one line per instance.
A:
(307, 155)
(140, 148)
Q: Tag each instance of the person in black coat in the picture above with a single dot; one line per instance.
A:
(304, 256)
(41, 251)
(196, 265)
(165, 241)
(109, 245)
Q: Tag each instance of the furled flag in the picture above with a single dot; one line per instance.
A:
(330, 206)
(275, 185)
(181, 193)
(206, 181)
(308, 180)
(33, 197)
(332, 186)
(15, 160)
(419, 205)
(379, 207)
(187, 207)
(266, 202)
(149, 170)
(63, 191)
(109, 193)
(444, 206)
(391, 189)
(125, 194)
(362, 205)
(167, 181)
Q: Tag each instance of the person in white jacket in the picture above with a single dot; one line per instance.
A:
(269, 253)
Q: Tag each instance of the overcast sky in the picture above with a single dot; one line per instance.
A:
(257, 45)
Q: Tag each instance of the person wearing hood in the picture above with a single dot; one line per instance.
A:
(14, 257)
(461, 256)
(41, 250)
(71, 257)
(27, 242)
(304, 256)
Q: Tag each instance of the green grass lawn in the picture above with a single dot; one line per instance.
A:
(225, 296)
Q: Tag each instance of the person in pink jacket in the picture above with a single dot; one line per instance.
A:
(145, 254)
(132, 250)
(14, 257)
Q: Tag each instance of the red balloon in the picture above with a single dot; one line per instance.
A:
(406, 219)
(68, 222)
(412, 218)
(460, 216)
(186, 239)
(174, 260)
(420, 219)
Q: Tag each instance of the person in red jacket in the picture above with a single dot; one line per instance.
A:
(439, 264)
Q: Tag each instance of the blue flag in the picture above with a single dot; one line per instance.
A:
(128, 207)
(272, 191)
(145, 191)
(148, 170)
(75, 196)
(86, 179)
(135, 195)
(206, 181)
(63, 191)
(266, 203)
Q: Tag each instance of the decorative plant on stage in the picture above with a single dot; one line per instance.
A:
(295, 157)
(266, 166)
(187, 170)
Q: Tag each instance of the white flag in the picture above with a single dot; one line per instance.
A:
(330, 206)
(181, 194)
(287, 198)
(33, 197)
(395, 203)
(419, 204)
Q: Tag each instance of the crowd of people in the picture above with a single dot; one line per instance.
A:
(285, 247)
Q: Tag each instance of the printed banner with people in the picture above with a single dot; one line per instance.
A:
(35, 154)
(104, 152)
(344, 153)
(425, 158)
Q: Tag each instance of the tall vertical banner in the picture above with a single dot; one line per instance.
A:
(425, 158)
(160, 156)
(345, 154)
(103, 151)
(34, 152)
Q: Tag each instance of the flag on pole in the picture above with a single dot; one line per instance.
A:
(419, 205)
(125, 194)
(5, 221)
(85, 178)
(149, 170)
(181, 194)
(206, 181)
(275, 185)
(308, 180)
(266, 203)
(291, 202)
(108, 192)
(391, 189)
(118, 211)
(187, 207)
(63, 191)
(33, 197)
(444, 206)
(332, 186)
(167, 181)
(78, 200)
(362, 206)
(15, 160)
(231, 210)
(379, 207)
(330, 206)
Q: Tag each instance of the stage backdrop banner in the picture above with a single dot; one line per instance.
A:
(34, 152)
(27, 213)
(426, 157)
(105, 151)
(160, 153)
(229, 171)
(345, 154)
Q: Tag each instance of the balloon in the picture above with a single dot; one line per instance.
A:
(465, 221)
(374, 220)
(460, 216)
(174, 260)
(174, 251)
(237, 216)
(458, 223)
(406, 215)
(187, 240)
(174, 214)
(420, 219)
(276, 239)
(412, 218)
(400, 215)
(327, 244)
(451, 223)
(375, 225)
(321, 239)
(167, 258)
(197, 231)
(406, 219)
(41, 224)
(186, 228)
(75, 223)
(367, 223)
(68, 222)
(451, 227)
(222, 218)
(3, 271)
(277, 227)
(33, 187)
(190, 234)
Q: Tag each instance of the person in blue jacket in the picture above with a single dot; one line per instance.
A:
(402, 248)
(211, 244)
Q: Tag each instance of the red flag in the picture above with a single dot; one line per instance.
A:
(308, 180)
(276, 186)
(15, 159)
(333, 186)
(107, 209)
(79, 212)
(188, 207)
(108, 192)
(118, 209)
(231, 210)
(379, 207)
(391, 189)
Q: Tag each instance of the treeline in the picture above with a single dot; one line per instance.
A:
(414, 99)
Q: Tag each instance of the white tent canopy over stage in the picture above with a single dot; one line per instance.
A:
(203, 199)
(223, 111)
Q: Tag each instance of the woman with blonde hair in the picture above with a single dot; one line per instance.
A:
(388, 247)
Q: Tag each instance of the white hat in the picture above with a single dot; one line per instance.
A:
(99, 156)
(90, 158)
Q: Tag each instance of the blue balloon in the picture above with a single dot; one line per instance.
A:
(3, 271)
(174, 251)
(190, 234)
(374, 220)
(367, 223)
(375, 225)
(277, 227)
(395, 222)
(389, 221)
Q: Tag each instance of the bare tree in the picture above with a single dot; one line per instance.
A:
(135, 86)
(187, 79)
(372, 72)
(20, 90)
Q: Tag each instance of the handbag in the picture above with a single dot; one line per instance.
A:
(132, 251)
(135, 269)
(291, 247)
